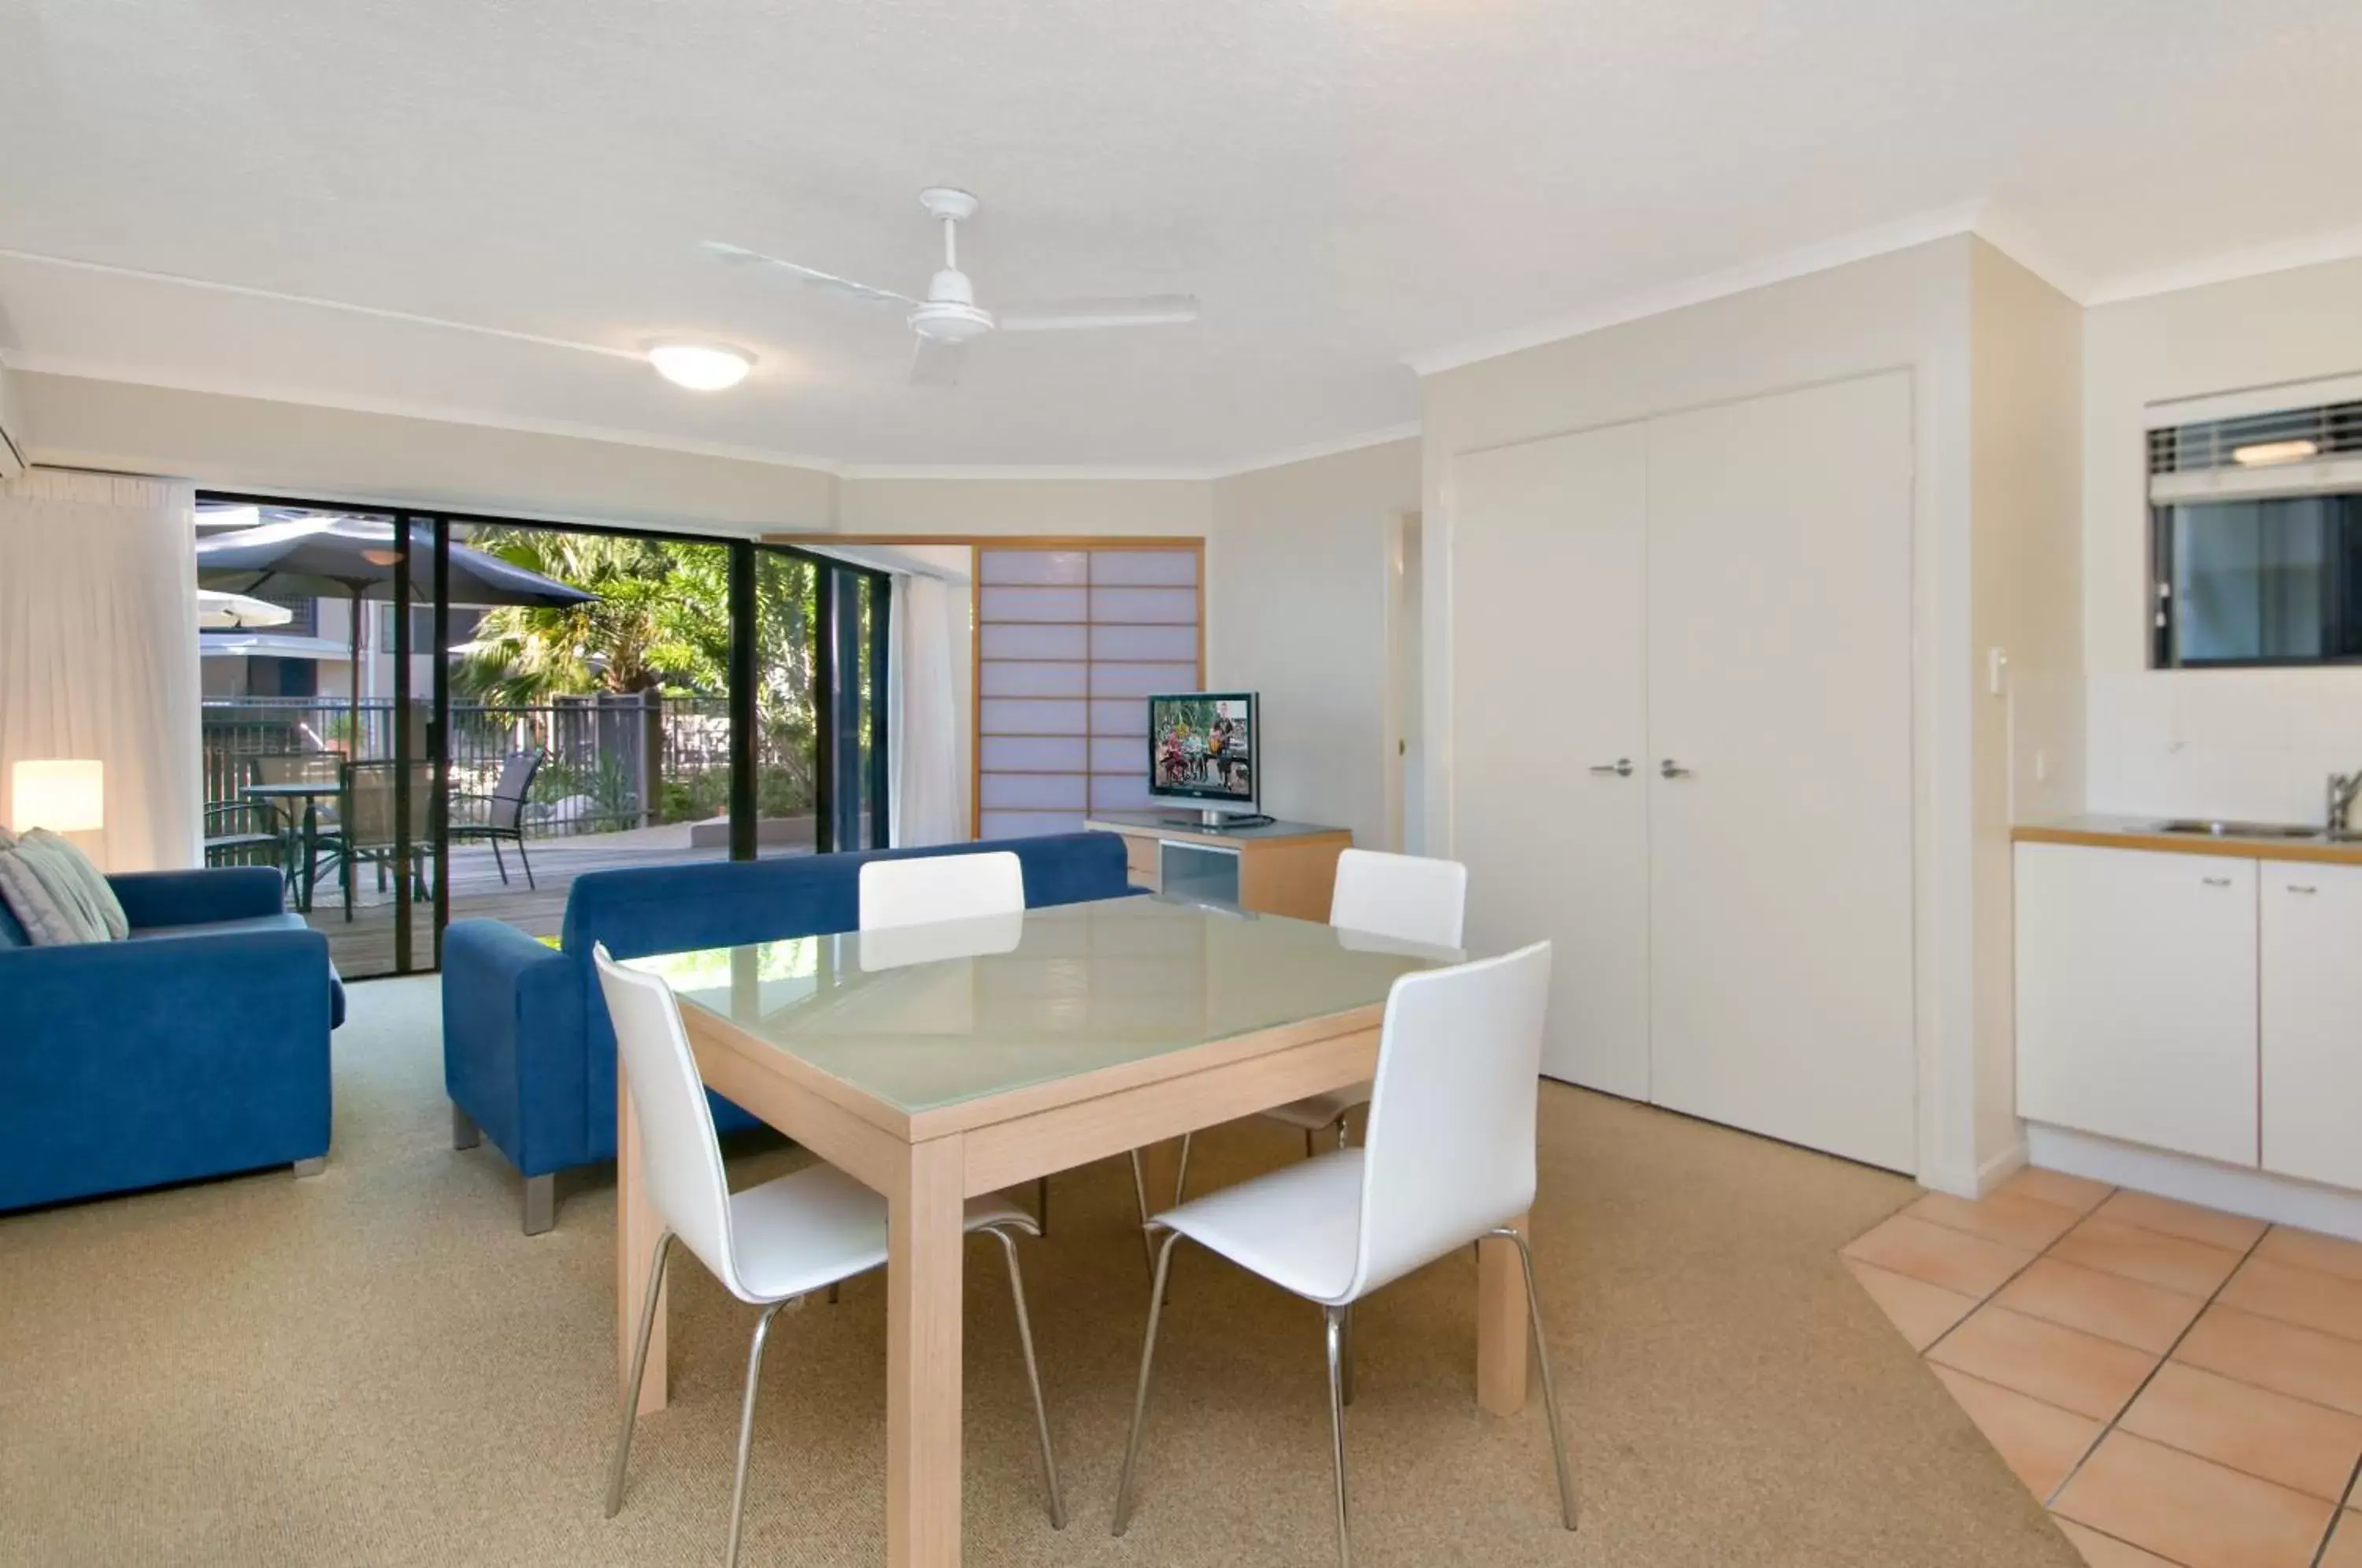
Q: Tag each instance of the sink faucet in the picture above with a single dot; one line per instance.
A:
(2343, 789)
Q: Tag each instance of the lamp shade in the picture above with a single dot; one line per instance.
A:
(64, 797)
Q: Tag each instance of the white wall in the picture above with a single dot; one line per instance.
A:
(1050, 507)
(1297, 602)
(2252, 743)
(294, 449)
(2026, 493)
(1910, 309)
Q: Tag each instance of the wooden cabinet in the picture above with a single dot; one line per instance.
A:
(1282, 868)
(2312, 1021)
(2136, 997)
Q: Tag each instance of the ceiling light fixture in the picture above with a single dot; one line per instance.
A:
(700, 367)
(2267, 452)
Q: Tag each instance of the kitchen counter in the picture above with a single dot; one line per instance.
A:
(2146, 833)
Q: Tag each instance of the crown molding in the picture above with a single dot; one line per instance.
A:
(1178, 474)
(2230, 266)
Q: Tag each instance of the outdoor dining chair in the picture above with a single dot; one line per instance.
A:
(503, 811)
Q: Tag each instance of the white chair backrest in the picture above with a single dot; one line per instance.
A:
(928, 888)
(678, 1152)
(1406, 897)
(1449, 1153)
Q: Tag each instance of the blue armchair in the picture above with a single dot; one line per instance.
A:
(528, 1056)
(196, 1047)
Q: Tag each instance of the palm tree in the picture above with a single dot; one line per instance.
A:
(660, 621)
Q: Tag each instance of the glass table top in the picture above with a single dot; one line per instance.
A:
(927, 1016)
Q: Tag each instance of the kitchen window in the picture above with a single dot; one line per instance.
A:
(2255, 540)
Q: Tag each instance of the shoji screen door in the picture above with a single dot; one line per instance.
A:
(1070, 638)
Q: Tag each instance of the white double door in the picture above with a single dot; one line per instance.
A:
(1681, 656)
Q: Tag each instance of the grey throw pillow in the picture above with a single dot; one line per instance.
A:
(94, 897)
(46, 921)
(56, 893)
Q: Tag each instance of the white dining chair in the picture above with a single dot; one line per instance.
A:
(924, 888)
(1410, 898)
(769, 1245)
(1446, 1160)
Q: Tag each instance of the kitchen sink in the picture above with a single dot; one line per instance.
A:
(2199, 827)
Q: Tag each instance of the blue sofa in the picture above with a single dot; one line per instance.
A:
(196, 1047)
(528, 1056)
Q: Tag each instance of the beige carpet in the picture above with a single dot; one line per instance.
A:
(376, 1366)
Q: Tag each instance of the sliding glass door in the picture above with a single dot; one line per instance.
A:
(493, 708)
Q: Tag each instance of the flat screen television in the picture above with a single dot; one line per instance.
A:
(1201, 751)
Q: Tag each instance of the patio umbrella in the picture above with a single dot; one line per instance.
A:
(219, 612)
(323, 556)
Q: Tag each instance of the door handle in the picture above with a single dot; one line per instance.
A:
(1668, 768)
(2218, 882)
(1621, 767)
(2305, 888)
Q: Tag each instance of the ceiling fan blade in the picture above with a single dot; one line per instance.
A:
(937, 363)
(738, 255)
(1070, 315)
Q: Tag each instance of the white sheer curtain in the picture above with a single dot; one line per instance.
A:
(925, 803)
(98, 650)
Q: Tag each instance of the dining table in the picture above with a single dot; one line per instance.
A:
(302, 830)
(939, 1061)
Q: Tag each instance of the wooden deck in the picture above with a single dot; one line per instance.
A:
(363, 946)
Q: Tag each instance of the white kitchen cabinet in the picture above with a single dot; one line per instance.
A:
(2312, 1021)
(2136, 997)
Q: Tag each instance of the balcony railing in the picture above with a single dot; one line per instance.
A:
(611, 762)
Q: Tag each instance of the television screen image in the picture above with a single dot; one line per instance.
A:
(1201, 747)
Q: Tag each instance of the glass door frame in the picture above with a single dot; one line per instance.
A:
(829, 694)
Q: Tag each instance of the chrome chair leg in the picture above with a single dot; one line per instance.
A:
(1345, 1316)
(1181, 1175)
(1032, 1378)
(639, 1369)
(747, 1428)
(1340, 1330)
(1542, 1360)
(1147, 1363)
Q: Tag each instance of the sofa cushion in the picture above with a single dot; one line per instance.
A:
(12, 929)
(87, 883)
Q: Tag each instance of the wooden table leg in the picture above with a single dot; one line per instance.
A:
(926, 1234)
(1501, 1325)
(636, 1229)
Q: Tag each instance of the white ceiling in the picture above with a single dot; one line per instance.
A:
(1346, 186)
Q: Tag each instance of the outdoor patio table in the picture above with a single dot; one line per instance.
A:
(280, 798)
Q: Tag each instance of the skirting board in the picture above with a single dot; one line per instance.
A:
(2255, 1194)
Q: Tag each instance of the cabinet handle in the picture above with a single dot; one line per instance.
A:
(2304, 888)
(1668, 768)
(1621, 767)
(2218, 882)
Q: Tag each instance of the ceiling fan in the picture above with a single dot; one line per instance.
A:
(949, 319)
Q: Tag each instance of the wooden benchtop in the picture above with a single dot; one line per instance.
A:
(2142, 832)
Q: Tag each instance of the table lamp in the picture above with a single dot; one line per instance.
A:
(64, 797)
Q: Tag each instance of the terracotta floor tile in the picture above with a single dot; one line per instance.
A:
(2345, 1542)
(1939, 1255)
(2105, 1550)
(2280, 1356)
(2309, 1249)
(2006, 1216)
(2153, 1257)
(2039, 1443)
(1919, 1311)
(2192, 1511)
(2187, 1221)
(2074, 1192)
(2308, 1448)
(2299, 1295)
(2108, 1305)
(2065, 1367)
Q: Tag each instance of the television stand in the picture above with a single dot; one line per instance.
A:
(1269, 868)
